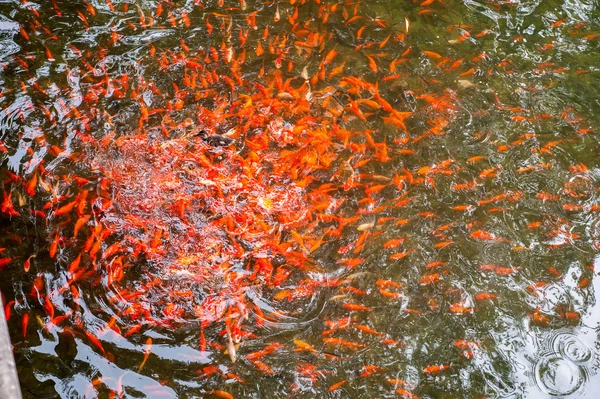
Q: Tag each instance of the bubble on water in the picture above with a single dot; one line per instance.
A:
(559, 377)
(572, 348)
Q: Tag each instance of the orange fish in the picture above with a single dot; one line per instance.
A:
(147, 351)
(432, 265)
(486, 236)
(329, 57)
(370, 370)
(540, 319)
(485, 296)
(367, 330)
(432, 55)
(394, 243)
(303, 346)
(464, 344)
(460, 308)
(401, 255)
(220, 394)
(356, 307)
(436, 368)
(406, 394)
(430, 279)
(505, 271)
(337, 385)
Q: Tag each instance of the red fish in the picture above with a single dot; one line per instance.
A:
(25, 324)
(4, 262)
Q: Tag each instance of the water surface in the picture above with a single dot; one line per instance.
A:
(395, 199)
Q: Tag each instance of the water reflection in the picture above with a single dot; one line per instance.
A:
(398, 200)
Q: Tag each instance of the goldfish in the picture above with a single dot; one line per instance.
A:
(483, 296)
(460, 308)
(406, 394)
(464, 344)
(356, 307)
(95, 341)
(337, 385)
(394, 243)
(489, 173)
(147, 351)
(486, 236)
(27, 264)
(547, 197)
(401, 255)
(505, 271)
(303, 346)
(432, 54)
(370, 370)
(330, 56)
(367, 330)
(540, 319)
(571, 316)
(462, 208)
(434, 369)
(4, 262)
(430, 279)
(220, 394)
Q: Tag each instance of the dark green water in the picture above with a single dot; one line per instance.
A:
(495, 174)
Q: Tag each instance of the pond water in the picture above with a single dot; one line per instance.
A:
(303, 198)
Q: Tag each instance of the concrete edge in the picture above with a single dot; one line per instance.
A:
(9, 380)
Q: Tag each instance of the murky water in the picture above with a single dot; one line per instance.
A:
(301, 198)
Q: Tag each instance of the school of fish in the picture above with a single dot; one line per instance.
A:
(235, 170)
